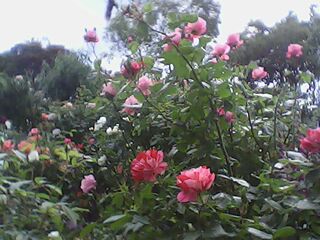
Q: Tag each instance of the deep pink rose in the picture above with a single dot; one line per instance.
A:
(67, 141)
(221, 112)
(194, 181)
(259, 73)
(294, 50)
(311, 143)
(91, 36)
(88, 183)
(148, 165)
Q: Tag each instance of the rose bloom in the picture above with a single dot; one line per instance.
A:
(108, 90)
(144, 85)
(34, 132)
(130, 105)
(311, 143)
(294, 50)
(196, 29)
(234, 40)
(25, 147)
(132, 69)
(192, 182)
(230, 117)
(88, 183)
(91, 36)
(148, 165)
(7, 146)
(259, 73)
(221, 112)
(44, 117)
(221, 51)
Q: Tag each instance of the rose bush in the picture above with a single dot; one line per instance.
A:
(192, 151)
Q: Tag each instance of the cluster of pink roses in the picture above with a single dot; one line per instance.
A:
(191, 31)
(148, 165)
(229, 116)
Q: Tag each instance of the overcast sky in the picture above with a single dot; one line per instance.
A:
(63, 21)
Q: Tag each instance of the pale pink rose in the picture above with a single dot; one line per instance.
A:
(221, 51)
(88, 183)
(294, 50)
(108, 90)
(176, 36)
(147, 166)
(192, 182)
(167, 47)
(230, 117)
(214, 61)
(7, 146)
(196, 29)
(131, 105)
(91, 36)
(234, 40)
(311, 143)
(144, 85)
(259, 73)
(67, 141)
(34, 132)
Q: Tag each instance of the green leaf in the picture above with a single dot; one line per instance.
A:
(259, 234)
(224, 90)
(241, 182)
(134, 46)
(284, 232)
(114, 218)
(87, 229)
(148, 7)
(192, 236)
(305, 204)
(305, 77)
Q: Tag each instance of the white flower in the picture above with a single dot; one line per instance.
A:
(91, 105)
(54, 235)
(102, 160)
(100, 123)
(8, 124)
(68, 105)
(56, 131)
(19, 77)
(109, 131)
(33, 156)
(52, 116)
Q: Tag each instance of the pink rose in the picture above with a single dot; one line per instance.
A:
(34, 132)
(294, 50)
(44, 117)
(311, 143)
(25, 147)
(131, 69)
(192, 182)
(91, 36)
(234, 40)
(196, 29)
(259, 73)
(221, 112)
(148, 165)
(7, 146)
(144, 85)
(108, 90)
(167, 47)
(230, 117)
(88, 183)
(67, 141)
(130, 105)
(221, 51)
